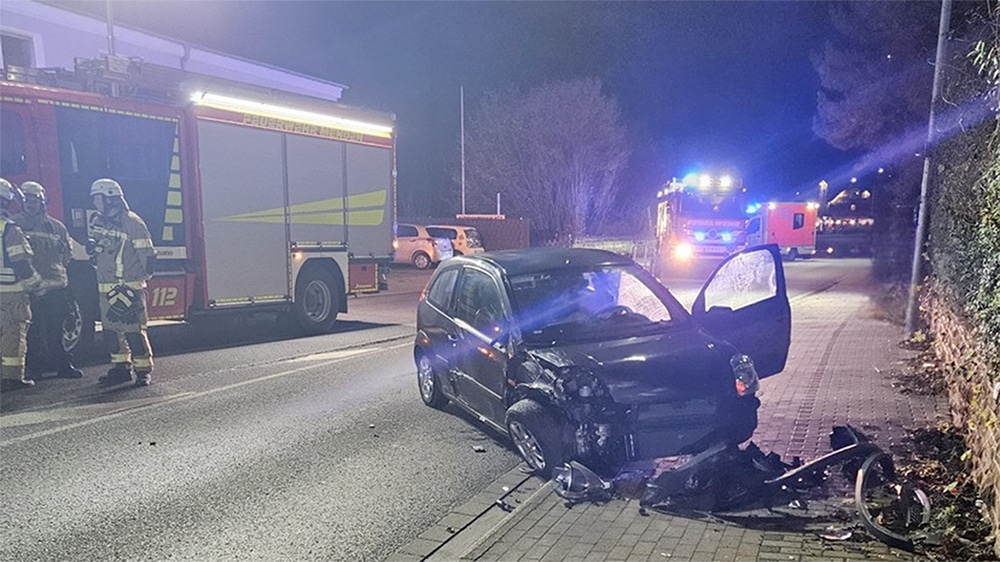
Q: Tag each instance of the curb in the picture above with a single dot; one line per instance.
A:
(483, 544)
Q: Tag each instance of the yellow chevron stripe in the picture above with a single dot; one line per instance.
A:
(323, 211)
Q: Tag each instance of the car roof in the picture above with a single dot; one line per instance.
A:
(531, 260)
(450, 226)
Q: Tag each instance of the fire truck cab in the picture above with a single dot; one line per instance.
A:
(701, 216)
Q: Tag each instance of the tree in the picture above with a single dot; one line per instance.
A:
(553, 153)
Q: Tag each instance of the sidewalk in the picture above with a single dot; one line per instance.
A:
(839, 372)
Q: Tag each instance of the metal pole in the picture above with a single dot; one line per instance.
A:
(461, 92)
(111, 27)
(918, 243)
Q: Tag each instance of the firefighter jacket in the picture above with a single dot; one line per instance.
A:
(17, 274)
(49, 240)
(123, 251)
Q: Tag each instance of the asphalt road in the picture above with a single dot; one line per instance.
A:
(255, 445)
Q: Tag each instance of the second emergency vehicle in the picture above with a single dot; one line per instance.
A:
(790, 225)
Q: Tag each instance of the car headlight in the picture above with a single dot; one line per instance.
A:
(745, 375)
(684, 251)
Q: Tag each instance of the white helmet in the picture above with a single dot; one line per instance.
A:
(7, 191)
(106, 186)
(33, 188)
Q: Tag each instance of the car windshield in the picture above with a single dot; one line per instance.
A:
(587, 303)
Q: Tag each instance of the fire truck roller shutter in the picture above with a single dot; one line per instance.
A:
(243, 200)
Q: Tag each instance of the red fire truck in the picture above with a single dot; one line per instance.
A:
(257, 200)
(700, 216)
(790, 225)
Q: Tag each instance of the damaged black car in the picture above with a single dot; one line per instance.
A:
(580, 354)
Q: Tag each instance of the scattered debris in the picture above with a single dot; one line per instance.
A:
(833, 534)
(503, 505)
(479, 448)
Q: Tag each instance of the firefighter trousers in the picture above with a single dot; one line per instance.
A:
(128, 342)
(15, 316)
(45, 336)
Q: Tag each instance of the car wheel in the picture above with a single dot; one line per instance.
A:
(421, 260)
(316, 301)
(792, 255)
(428, 383)
(537, 435)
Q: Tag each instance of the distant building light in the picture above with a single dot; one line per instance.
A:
(881, 170)
(854, 180)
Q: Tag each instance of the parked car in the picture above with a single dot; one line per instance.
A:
(464, 239)
(413, 244)
(580, 354)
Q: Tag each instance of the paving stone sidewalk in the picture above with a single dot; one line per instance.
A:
(839, 372)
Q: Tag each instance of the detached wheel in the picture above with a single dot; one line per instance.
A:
(317, 301)
(537, 435)
(421, 260)
(428, 383)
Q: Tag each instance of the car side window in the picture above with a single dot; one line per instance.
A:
(442, 288)
(479, 302)
(744, 280)
(405, 230)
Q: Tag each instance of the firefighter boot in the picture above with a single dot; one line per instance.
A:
(121, 372)
(143, 379)
(68, 371)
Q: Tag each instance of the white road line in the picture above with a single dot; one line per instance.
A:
(24, 418)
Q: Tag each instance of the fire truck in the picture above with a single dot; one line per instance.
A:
(257, 200)
(790, 225)
(700, 216)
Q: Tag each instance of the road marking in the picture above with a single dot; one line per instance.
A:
(132, 406)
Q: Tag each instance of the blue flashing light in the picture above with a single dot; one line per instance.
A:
(727, 236)
(752, 208)
(699, 236)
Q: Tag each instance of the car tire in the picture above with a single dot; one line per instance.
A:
(793, 254)
(537, 434)
(428, 383)
(317, 300)
(421, 260)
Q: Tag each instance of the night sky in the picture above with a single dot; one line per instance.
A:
(710, 84)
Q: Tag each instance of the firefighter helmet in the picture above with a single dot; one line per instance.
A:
(7, 190)
(33, 188)
(106, 186)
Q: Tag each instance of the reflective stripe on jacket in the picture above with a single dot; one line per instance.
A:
(123, 250)
(15, 248)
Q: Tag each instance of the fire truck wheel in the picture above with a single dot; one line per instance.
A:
(77, 332)
(316, 300)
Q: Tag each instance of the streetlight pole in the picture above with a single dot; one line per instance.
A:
(918, 243)
(461, 105)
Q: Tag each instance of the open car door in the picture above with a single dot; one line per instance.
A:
(745, 303)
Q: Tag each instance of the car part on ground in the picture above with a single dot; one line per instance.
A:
(723, 479)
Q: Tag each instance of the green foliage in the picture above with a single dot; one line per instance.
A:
(965, 219)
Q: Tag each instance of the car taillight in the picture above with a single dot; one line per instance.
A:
(745, 375)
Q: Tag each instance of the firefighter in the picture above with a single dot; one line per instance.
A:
(124, 255)
(17, 279)
(51, 302)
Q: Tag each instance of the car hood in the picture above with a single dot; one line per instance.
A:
(651, 369)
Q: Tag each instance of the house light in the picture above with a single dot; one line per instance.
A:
(263, 109)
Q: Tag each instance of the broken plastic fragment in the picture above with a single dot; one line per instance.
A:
(834, 534)
(479, 448)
